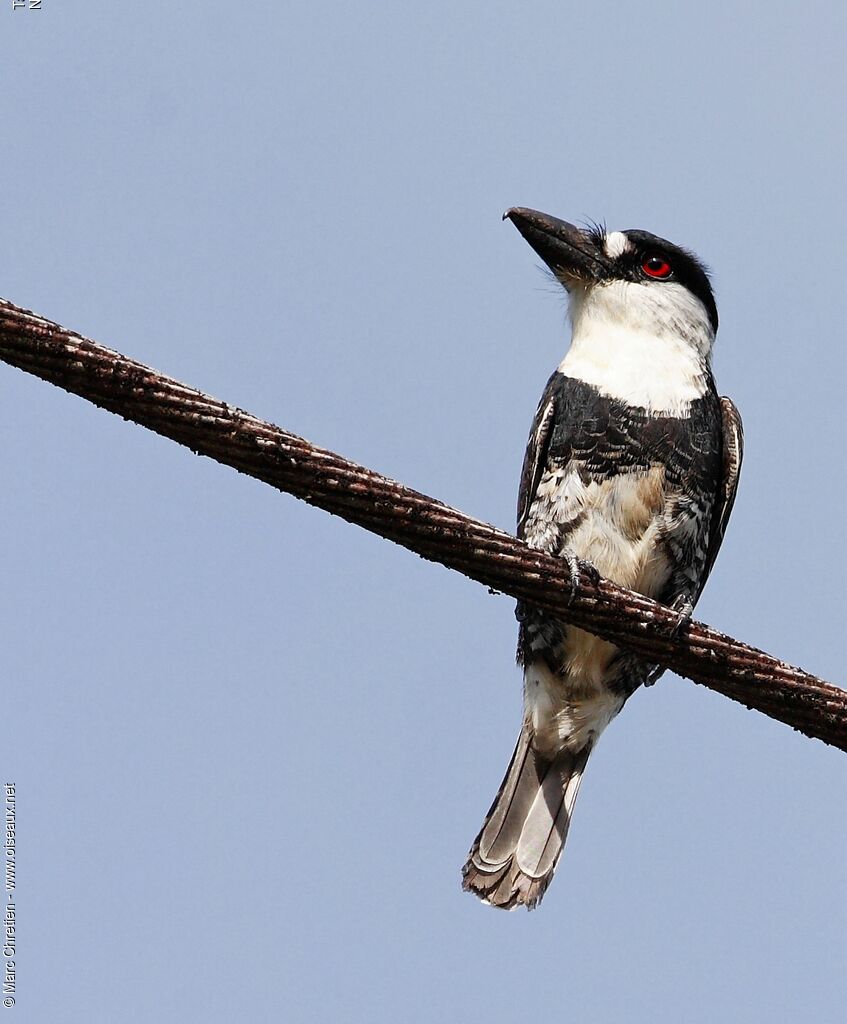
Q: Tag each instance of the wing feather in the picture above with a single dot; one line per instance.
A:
(733, 453)
(535, 458)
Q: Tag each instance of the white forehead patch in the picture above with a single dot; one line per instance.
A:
(616, 243)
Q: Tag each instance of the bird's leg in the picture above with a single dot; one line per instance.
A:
(576, 566)
(684, 608)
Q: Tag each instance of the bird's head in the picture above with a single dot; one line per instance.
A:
(631, 280)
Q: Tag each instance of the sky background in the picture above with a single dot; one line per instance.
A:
(251, 743)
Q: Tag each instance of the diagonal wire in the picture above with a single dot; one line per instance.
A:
(432, 529)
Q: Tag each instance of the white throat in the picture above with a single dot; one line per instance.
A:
(647, 345)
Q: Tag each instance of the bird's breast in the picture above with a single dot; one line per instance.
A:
(613, 522)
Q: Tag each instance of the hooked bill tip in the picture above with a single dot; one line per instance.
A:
(512, 211)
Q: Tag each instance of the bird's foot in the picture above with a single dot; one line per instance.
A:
(684, 610)
(576, 567)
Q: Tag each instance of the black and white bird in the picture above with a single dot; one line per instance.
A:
(632, 465)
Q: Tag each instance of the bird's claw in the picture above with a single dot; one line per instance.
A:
(684, 609)
(592, 572)
(576, 567)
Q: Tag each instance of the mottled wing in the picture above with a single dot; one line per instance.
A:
(733, 453)
(537, 450)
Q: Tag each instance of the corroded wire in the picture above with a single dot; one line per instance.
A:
(432, 529)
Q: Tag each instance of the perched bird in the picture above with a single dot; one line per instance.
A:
(632, 465)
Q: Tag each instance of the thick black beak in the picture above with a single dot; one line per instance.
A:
(573, 255)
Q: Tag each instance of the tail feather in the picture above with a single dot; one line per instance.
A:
(516, 852)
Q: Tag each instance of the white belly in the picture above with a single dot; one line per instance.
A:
(615, 524)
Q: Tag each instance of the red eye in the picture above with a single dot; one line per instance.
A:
(656, 266)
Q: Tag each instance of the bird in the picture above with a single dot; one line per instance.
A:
(630, 472)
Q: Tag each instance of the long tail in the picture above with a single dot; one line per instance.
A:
(513, 858)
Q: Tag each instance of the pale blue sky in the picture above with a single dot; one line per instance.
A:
(252, 744)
